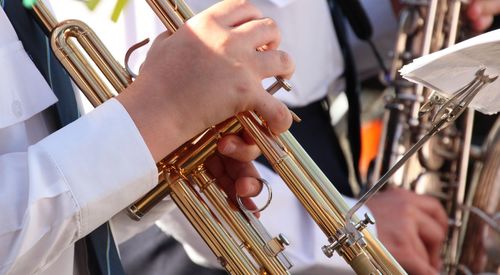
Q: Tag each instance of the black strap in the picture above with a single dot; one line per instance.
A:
(352, 90)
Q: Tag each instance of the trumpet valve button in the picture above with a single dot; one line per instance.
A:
(276, 245)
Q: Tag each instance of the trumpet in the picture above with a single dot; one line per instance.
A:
(235, 236)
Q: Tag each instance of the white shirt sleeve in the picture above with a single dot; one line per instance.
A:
(284, 215)
(67, 184)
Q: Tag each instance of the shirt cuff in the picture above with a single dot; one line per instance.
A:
(104, 161)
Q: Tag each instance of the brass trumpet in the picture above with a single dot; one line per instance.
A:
(234, 235)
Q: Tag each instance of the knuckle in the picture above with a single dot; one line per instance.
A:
(285, 60)
(243, 3)
(243, 88)
(282, 114)
(407, 210)
(270, 23)
(247, 4)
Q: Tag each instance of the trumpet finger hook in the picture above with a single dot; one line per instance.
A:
(129, 53)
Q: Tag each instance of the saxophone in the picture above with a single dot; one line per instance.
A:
(440, 169)
(238, 240)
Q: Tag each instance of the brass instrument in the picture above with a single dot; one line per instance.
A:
(234, 235)
(480, 239)
(441, 168)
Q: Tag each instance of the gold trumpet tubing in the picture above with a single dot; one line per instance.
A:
(171, 13)
(237, 222)
(68, 53)
(383, 259)
(190, 162)
(205, 146)
(200, 148)
(84, 74)
(317, 195)
(227, 251)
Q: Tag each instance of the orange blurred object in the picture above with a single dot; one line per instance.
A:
(370, 138)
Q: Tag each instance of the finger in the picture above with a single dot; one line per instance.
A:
(227, 184)
(275, 113)
(474, 10)
(250, 205)
(237, 148)
(488, 7)
(259, 32)
(483, 23)
(432, 207)
(248, 187)
(433, 236)
(417, 266)
(216, 166)
(233, 12)
(418, 245)
(237, 169)
(274, 63)
(481, 13)
(247, 137)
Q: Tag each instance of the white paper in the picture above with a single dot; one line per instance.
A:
(448, 70)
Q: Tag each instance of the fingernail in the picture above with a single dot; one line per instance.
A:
(228, 148)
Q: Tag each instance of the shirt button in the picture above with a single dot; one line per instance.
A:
(17, 108)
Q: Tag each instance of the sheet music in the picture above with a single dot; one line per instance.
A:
(448, 70)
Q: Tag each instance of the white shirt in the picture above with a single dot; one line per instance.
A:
(57, 188)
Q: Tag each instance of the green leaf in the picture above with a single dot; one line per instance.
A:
(120, 5)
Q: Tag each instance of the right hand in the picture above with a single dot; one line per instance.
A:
(412, 227)
(207, 71)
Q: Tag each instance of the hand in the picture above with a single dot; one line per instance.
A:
(206, 72)
(412, 227)
(233, 168)
(481, 12)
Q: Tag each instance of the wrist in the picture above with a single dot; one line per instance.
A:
(159, 123)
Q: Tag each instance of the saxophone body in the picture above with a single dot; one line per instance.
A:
(235, 236)
(441, 168)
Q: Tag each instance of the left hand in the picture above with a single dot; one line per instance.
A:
(412, 227)
(232, 167)
(481, 12)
